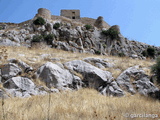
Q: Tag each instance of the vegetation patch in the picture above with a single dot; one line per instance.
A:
(56, 25)
(37, 38)
(111, 32)
(39, 21)
(156, 69)
(88, 27)
(49, 38)
(150, 52)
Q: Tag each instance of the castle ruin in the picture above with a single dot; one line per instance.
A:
(72, 14)
(45, 13)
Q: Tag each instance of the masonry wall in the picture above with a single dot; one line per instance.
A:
(72, 14)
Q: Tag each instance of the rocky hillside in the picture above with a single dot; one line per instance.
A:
(18, 76)
(85, 35)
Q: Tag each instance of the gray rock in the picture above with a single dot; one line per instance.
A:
(21, 83)
(98, 61)
(55, 76)
(8, 42)
(99, 65)
(111, 89)
(26, 68)
(10, 70)
(3, 94)
(93, 76)
(140, 80)
(61, 45)
(124, 79)
(144, 86)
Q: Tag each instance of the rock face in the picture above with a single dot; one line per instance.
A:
(20, 83)
(96, 78)
(93, 76)
(100, 63)
(135, 80)
(54, 76)
(10, 70)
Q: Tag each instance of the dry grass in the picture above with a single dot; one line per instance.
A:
(85, 104)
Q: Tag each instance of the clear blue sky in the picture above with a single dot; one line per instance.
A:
(138, 19)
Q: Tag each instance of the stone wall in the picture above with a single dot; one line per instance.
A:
(72, 14)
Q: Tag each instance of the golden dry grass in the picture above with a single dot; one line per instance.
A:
(85, 104)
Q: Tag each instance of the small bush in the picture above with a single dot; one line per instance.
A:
(49, 38)
(39, 21)
(145, 53)
(151, 51)
(56, 26)
(88, 27)
(111, 32)
(37, 38)
(156, 69)
(121, 54)
(97, 52)
(1, 28)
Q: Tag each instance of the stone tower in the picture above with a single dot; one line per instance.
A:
(45, 13)
(72, 14)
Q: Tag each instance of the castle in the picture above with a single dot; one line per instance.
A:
(71, 14)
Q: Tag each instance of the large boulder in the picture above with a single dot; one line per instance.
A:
(92, 76)
(54, 76)
(22, 83)
(10, 70)
(135, 80)
(22, 87)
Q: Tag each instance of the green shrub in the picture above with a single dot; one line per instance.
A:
(56, 26)
(37, 38)
(156, 69)
(158, 53)
(1, 28)
(88, 27)
(151, 51)
(111, 32)
(145, 53)
(121, 54)
(97, 52)
(49, 38)
(39, 21)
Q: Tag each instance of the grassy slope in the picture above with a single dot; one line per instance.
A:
(85, 104)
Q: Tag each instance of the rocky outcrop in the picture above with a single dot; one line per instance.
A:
(96, 78)
(135, 80)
